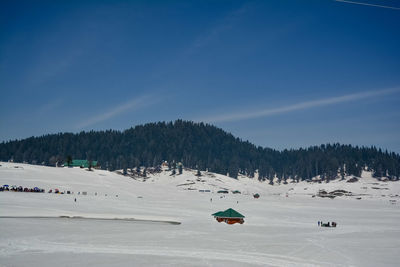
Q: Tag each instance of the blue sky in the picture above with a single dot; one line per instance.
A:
(281, 74)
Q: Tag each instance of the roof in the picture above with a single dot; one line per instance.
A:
(217, 213)
(229, 213)
(81, 163)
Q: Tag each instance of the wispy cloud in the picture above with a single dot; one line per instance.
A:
(131, 105)
(299, 106)
(47, 68)
(367, 4)
(225, 24)
(50, 106)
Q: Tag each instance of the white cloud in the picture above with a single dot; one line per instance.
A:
(133, 104)
(225, 24)
(366, 4)
(49, 107)
(298, 106)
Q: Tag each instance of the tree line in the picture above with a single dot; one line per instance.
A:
(203, 147)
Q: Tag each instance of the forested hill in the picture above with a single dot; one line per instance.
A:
(202, 146)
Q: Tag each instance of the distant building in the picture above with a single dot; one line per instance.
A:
(82, 163)
(229, 216)
(164, 166)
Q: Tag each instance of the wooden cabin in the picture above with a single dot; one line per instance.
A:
(229, 216)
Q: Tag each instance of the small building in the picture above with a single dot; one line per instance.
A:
(164, 166)
(229, 216)
(82, 163)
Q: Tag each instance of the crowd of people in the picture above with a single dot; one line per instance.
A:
(15, 188)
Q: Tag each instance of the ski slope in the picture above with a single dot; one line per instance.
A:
(127, 222)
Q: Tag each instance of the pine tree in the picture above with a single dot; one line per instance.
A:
(202, 145)
(180, 168)
(69, 160)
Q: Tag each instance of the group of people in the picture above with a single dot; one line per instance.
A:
(15, 188)
(328, 224)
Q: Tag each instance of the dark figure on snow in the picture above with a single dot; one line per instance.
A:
(75, 199)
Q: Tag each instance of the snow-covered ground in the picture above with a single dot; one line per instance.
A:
(280, 227)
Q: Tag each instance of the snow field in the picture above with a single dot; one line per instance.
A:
(278, 230)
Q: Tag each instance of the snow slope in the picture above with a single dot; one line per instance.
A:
(280, 227)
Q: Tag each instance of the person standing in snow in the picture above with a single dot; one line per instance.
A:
(75, 199)
(318, 223)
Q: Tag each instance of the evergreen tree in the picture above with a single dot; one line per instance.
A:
(69, 160)
(201, 146)
(180, 168)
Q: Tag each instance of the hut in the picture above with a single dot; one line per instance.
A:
(229, 216)
(82, 163)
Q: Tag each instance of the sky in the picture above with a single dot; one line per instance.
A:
(280, 73)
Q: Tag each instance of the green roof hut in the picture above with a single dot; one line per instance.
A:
(83, 163)
(229, 216)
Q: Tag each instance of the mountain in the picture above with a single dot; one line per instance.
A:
(201, 146)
